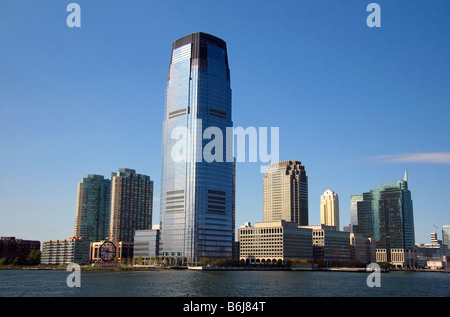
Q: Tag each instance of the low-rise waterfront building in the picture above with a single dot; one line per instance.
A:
(146, 244)
(362, 249)
(432, 255)
(274, 241)
(64, 251)
(12, 248)
(329, 244)
(123, 251)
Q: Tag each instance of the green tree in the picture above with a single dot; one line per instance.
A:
(204, 261)
(17, 261)
(385, 265)
(219, 262)
(4, 261)
(34, 258)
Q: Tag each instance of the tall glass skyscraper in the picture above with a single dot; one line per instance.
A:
(197, 179)
(386, 214)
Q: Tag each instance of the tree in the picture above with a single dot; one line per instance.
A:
(17, 261)
(219, 262)
(139, 260)
(204, 261)
(385, 265)
(4, 261)
(34, 258)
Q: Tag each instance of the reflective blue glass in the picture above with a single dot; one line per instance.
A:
(196, 194)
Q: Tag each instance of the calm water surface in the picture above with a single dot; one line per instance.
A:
(184, 283)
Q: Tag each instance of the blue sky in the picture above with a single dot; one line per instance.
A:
(356, 105)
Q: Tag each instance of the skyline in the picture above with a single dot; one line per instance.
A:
(364, 103)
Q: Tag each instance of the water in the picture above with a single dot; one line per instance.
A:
(186, 283)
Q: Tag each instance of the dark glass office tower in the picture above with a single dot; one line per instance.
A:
(386, 214)
(197, 178)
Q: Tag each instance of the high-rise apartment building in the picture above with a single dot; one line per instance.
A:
(131, 204)
(286, 193)
(329, 209)
(197, 178)
(386, 214)
(93, 208)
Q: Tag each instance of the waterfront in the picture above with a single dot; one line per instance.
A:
(187, 283)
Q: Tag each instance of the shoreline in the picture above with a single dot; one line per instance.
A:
(203, 268)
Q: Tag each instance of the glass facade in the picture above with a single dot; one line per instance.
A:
(197, 180)
(146, 243)
(385, 214)
(93, 208)
(446, 234)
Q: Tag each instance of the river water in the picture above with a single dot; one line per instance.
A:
(186, 283)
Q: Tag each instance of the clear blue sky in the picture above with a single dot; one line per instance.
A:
(90, 100)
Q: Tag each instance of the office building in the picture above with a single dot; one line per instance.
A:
(330, 245)
(329, 209)
(433, 255)
(131, 204)
(446, 234)
(347, 228)
(274, 242)
(196, 202)
(93, 208)
(386, 214)
(65, 251)
(146, 245)
(286, 193)
(363, 250)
